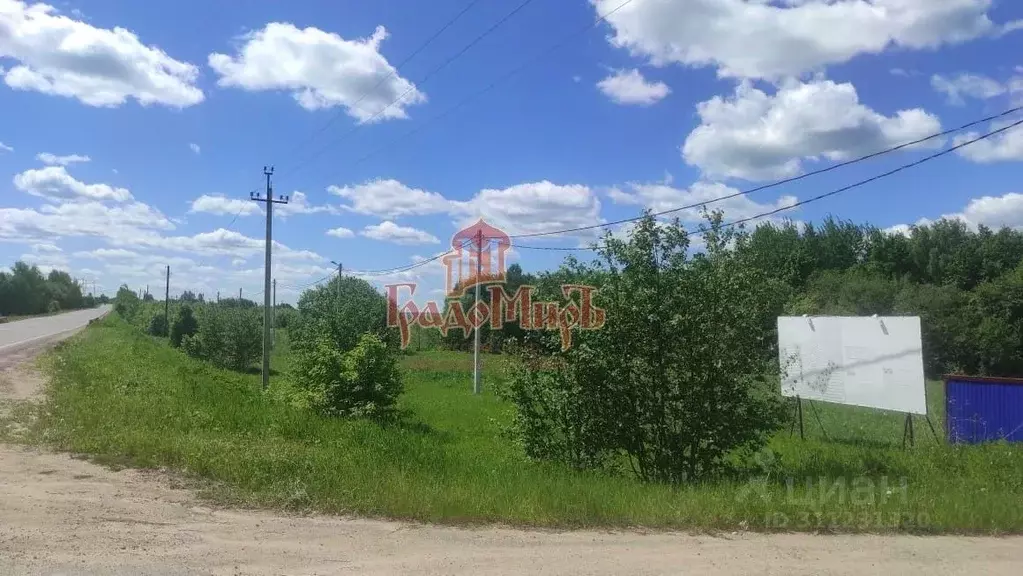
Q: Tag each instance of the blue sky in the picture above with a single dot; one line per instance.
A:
(131, 129)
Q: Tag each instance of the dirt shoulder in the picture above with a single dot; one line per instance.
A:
(63, 515)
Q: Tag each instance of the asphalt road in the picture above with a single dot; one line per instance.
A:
(15, 335)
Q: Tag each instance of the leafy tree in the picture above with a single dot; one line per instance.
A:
(677, 378)
(184, 324)
(344, 352)
(852, 292)
(126, 303)
(158, 325)
(361, 382)
(230, 338)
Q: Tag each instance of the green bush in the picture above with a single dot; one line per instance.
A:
(158, 326)
(676, 380)
(184, 324)
(53, 307)
(363, 381)
(227, 337)
(285, 317)
(345, 355)
(126, 303)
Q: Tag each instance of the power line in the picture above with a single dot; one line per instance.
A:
(421, 81)
(781, 182)
(408, 267)
(846, 188)
(394, 72)
(513, 72)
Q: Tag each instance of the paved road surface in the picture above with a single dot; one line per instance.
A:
(61, 515)
(35, 331)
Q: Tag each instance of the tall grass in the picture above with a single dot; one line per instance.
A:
(123, 397)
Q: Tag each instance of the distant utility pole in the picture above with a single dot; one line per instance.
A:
(166, 301)
(477, 385)
(337, 303)
(239, 296)
(269, 200)
(218, 296)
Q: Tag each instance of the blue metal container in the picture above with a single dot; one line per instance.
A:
(983, 409)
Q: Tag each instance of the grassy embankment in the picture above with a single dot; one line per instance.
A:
(125, 398)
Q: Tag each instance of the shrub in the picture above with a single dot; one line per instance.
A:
(345, 356)
(676, 379)
(285, 317)
(184, 324)
(243, 338)
(230, 338)
(126, 303)
(158, 326)
(363, 381)
(53, 307)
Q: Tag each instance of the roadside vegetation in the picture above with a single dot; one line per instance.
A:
(26, 291)
(668, 417)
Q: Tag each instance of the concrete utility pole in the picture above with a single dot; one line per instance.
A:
(477, 385)
(166, 301)
(269, 200)
(273, 318)
(239, 296)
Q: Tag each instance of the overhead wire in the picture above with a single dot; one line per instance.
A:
(393, 74)
(819, 197)
(784, 181)
(510, 74)
(420, 82)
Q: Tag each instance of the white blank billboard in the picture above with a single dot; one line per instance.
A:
(875, 362)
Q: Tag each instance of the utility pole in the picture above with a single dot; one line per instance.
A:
(239, 296)
(273, 318)
(269, 200)
(477, 386)
(337, 302)
(166, 301)
(218, 296)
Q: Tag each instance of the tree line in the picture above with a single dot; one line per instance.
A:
(25, 290)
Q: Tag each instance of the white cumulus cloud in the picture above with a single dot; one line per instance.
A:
(340, 232)
(221, 205)
(194, 147)
(388, 231)
(298, 203)
(320, 70)
(661, 197)
(757, 136)
(391, 199)
(54, 160)
(61, 56)
(630, 87)
(1004, 147)
(5, 148)
(761, 39)
(967, 85)
(54, 183)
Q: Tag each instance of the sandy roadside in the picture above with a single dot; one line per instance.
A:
(59, 515)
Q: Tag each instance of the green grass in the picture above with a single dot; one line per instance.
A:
(125, 398)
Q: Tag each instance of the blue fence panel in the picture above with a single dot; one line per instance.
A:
(983, 409)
